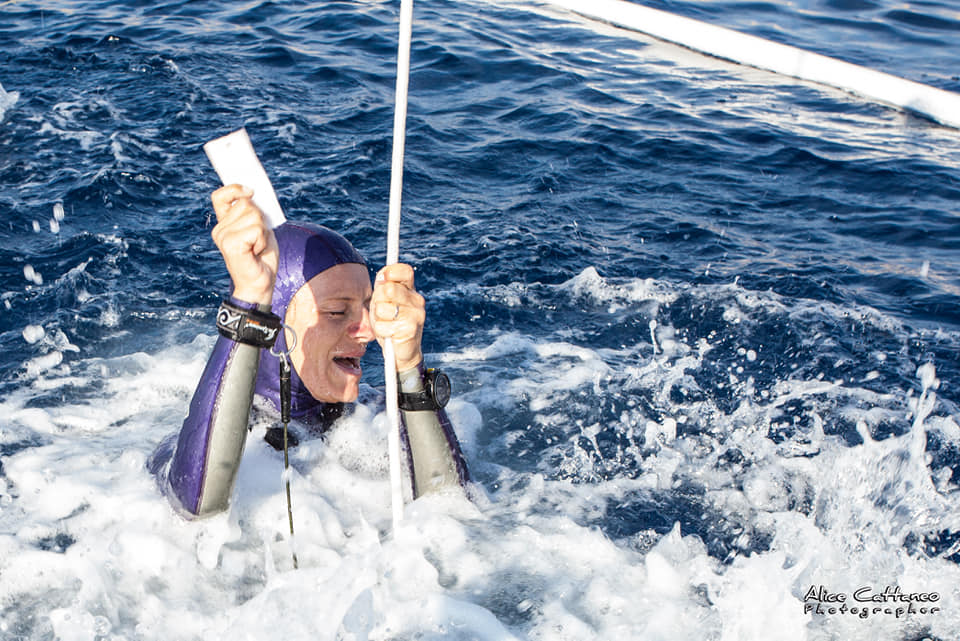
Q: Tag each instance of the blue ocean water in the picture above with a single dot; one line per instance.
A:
(670, 290)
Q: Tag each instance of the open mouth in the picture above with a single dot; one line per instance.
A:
(350, 364)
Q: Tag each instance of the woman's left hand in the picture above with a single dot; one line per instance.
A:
(398, 312)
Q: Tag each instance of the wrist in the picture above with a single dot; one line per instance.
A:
(252, 297)
(243, 304)
(411, 379)
(412, 363)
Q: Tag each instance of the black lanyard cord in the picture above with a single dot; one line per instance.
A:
(285, 401)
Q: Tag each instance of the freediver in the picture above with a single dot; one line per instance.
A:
(314, 281)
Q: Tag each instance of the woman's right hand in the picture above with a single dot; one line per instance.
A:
(248, 246)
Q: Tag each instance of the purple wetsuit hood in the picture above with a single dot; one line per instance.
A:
(305, 250)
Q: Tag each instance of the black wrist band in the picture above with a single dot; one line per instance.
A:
(434, 396)
(247, 326)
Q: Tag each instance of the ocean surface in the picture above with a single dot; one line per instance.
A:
(702, 322)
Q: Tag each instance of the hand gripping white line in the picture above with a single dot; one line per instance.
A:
(393, 250)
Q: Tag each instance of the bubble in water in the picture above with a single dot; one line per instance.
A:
(927, 374)
(660, 433)
(669, 429)
(33, 333)
(31, 274)
(43, 363)
(102, 625)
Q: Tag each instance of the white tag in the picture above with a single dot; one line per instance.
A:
(235, 161)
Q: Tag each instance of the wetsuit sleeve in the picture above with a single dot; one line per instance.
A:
(436, 458)
(204, 465)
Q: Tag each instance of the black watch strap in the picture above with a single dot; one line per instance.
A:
(247, 326)
(433, 396)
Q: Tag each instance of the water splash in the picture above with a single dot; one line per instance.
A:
(7, 100)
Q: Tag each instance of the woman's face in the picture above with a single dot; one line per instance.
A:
(331, 317)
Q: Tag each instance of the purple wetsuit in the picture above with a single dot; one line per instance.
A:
(203, 466)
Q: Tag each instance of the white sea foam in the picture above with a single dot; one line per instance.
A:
(865, 487)
(85, 137)
(89, 548)
(33, 333)
(7, 100)
(40, 364)
(590, 283)
(32, 275)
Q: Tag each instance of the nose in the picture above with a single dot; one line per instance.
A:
(363, 331)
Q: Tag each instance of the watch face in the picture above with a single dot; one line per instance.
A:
(441, 388)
